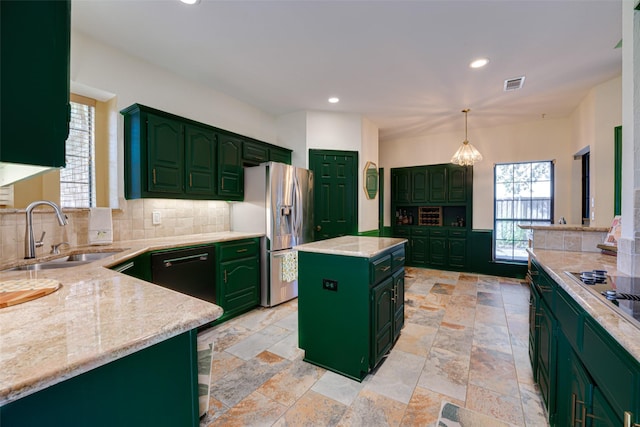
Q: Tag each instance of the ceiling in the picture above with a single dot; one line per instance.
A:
(404, 65)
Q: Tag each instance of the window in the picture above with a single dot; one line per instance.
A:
(77, 179)
(523, 195)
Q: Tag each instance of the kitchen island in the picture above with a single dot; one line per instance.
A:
(105, 348)
(350, 301)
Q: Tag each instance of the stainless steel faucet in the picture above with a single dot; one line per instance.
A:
(29, 242)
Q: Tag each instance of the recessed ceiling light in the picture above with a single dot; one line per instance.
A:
(190, 1)
(334, 100)
(479, 63)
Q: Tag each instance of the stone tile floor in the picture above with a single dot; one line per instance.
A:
(465, 341)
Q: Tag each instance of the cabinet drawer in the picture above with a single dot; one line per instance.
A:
(438, 233)
(419, 232)
(380, 268)
(401, 232)
(458, 233)
(612, 368)
(397, 259)
(237, 249)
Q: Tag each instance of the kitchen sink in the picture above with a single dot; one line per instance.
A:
(65, 261)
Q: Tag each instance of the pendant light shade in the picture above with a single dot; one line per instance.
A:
(467, 154)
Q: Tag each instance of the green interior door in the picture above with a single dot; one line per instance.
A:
(334, 193)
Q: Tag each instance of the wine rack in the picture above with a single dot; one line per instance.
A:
(430, 215)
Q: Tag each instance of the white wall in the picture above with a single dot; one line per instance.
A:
(593, 124)
(292, 133)
(367, 208)
(543, 139)
(131, 80)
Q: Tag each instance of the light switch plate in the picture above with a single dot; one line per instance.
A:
(156, 218)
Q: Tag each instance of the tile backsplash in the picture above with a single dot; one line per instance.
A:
(132, 221)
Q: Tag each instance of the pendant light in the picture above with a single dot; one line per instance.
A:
(467, 154)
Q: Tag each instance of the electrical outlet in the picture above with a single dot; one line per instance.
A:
(330, 285)
(593, 216)
(156, 218)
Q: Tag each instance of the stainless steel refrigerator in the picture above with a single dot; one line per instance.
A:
(278, 201)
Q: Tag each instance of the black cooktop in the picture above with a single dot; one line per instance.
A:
(621, 293)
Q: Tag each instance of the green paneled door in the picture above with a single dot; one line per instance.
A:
(165, 154)
(401, 184)
(335, 193)
(230, 173)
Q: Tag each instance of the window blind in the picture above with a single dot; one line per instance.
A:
(77, 179)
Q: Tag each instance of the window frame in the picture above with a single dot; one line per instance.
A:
(520, 221)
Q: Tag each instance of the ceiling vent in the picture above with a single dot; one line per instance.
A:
(513, 84)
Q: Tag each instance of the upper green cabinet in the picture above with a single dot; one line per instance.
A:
(230, 172)
(167, 156)
(434, 184)
(34, 40)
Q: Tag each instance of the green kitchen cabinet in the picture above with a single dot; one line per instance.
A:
(438, 248)
(157, 385)
(580, 401)
(200, 152)
(419, 250)
(438, 184)
(383, 317)
(165, 148)
(419, 184)
(230, 172)
(456, 184)
(401, 187)
(350, 308)
(583, 373)
(457, 249)
(254, 152)
(280, 155)
(238, 277)
(34, 106)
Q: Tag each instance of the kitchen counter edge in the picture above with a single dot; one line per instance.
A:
(26, 368)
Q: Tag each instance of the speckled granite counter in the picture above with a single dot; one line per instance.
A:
(555, 263)
(97, 316)
(358, 246)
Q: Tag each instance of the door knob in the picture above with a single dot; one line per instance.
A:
(318, 227)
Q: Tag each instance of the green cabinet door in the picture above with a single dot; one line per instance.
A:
(534, 305)
(419, 185)
(575, 388)
(602, 414)
(230, 173)
(547, 358)
(239, 285)
(398, 303)
(383, 313)
(438, 184)
(200, 152)
(438, 251)
(457, 254)
(419, 255)
(401, 185)
(165, 148)
(457, 184)
(34, 83)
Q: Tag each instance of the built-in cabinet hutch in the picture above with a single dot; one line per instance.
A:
(431, 208)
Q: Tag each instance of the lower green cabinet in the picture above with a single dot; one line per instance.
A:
(350, 309)
(435, 247)
(155, 386)
(238, 277)
(586, 378)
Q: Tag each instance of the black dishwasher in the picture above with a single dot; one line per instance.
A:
(190, 271)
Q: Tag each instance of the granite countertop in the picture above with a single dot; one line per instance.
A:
(356, 246)
(564, 227)
(97, 316)
(555, 263)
